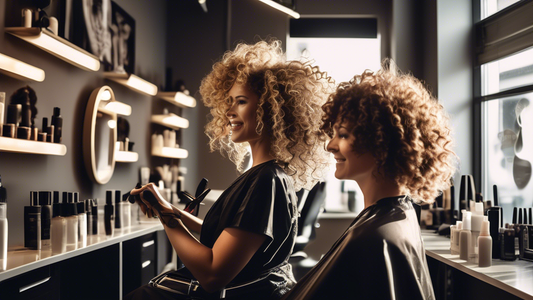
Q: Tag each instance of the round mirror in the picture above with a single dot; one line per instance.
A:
(100, 135)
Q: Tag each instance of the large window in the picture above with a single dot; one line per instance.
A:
(343, 47)
(505, 95)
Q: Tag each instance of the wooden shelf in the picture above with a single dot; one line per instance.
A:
(170, 152)
(171, 120)
(133, 82)
(20, 70)
(31, 147)
(178, 98)
(126, 156)
(57, 46)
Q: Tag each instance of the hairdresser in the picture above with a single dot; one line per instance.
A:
(271, 108)
(393, 138)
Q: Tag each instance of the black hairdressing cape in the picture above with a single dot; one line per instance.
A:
(380, 256)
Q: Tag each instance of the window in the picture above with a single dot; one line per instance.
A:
(343, 47)
(505, 97)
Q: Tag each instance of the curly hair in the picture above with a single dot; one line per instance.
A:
(395, 118)
(291, 94)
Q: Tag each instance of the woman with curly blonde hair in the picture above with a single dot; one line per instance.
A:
(393, 138)
(272, 108)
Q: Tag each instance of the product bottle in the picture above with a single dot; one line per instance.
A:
(477, 220)
(94, 217)
(45, 201)
(32, 224)
(119, 209)
(59, 227)
(88, 207)
(109, 214)
(3, 226)
(485, 245)
(57, 122)
(507, 243)
(465, 237)
(70, 210)
(82, 221)
(454, 238)
(126, 213)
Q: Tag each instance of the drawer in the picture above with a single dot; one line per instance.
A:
(42, 283)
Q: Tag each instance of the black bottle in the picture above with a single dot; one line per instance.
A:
(118, 209)
(57, 122)
(32, 223)
(109, 214)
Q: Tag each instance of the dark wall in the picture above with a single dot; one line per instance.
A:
(69, 87)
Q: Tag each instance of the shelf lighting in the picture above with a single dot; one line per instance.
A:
(57, 46)
(281, 8)
(171, 120)
(31, 147)
(134, 82)
(170, 152)
(178, 98)
(20, 70)
(118, 107)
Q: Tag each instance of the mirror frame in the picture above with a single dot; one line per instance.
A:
(89, 128)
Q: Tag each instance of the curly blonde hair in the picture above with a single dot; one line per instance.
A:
(395, 118)
(291, 94)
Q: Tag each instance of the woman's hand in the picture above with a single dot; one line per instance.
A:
(152, 203)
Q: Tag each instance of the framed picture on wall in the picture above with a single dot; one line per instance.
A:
(104, 29)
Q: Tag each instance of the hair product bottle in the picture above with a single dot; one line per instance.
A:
(45, 201)
(109, 214)
(59, 227)
(465, 237)
(3, 227)
(70, 210)
(94, 216)
(57, 122)
(82, 221)
(485, 245)
(32, 224)
(119, 209)
(126, 213)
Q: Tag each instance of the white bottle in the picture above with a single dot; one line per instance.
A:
(465, 237)
(454, 238)
(485, 245)
(477, 221)
(82, 222)
(58, 227)
(70, 210)
(126, 216)
(3, 227)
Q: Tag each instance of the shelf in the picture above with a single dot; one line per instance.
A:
(31, 147)
(20, 70)
(171, 120)
(133, 82)
(126, 156)
(57, 46)
(171, 152)
(178, 98)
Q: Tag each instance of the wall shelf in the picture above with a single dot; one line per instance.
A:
(20, 70)
(31, 147)
(57, 46)
(133, 82)
(171, 120)
(126, 156)
(178, 98)
(170, 152)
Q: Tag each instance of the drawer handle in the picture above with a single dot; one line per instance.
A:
(146, 264)
(148, 244)
(32, 285)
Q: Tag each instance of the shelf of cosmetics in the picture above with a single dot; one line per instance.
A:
(165, 145)
(55, 226)
(19, 132)
(476, 229)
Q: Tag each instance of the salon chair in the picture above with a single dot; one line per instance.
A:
(310, 204)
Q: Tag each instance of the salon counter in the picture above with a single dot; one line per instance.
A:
(454, 278)
(107, 268)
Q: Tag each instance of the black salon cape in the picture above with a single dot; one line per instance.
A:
(380, 256)
(262, 200)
